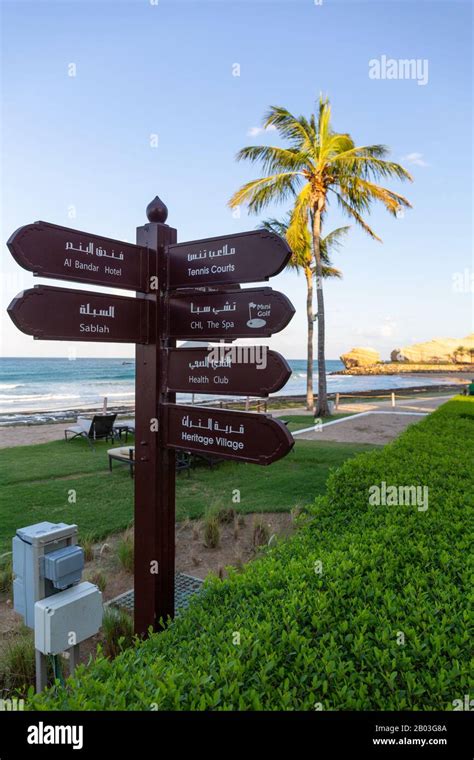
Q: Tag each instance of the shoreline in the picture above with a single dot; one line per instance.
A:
(64, 416)
(392, 368)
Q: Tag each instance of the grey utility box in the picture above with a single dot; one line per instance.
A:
(66, 619)
(46, 561)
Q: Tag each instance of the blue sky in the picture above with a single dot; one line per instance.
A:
(167, 69)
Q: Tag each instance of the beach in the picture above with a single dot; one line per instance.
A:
(45, 391)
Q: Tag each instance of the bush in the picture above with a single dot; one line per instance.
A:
(17, 665)
(98, 579)
(364, 608)
(117, 628)
(126, 553)
(211, 530)
(260, 533)
(86, 542)
(6, 575)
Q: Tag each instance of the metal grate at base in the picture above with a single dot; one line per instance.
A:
(184, 587)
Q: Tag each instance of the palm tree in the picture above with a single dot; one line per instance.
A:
(302, 259)
(318, 165)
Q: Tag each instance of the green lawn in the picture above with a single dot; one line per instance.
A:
(39, 481)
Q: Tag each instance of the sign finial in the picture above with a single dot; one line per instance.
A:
(156, 211)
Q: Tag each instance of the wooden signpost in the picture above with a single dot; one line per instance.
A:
(183, 291)
(65, 314)
(65, 254)
(239, 371)
(245, 257)
(245, 436)
(249, 313)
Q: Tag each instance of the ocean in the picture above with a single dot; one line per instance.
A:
(41, 390)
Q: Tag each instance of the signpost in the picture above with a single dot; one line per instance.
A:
(244, 257)
(240, 371)
(210, 305)
(52, 251)
(244, 436)
(249, 313)
(65, 314)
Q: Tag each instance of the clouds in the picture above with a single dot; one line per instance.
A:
(255, 131)
(416, 159)
(387, 328)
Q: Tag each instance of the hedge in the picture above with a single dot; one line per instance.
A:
(380, 624)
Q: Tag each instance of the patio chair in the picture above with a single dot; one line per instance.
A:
(100, 427)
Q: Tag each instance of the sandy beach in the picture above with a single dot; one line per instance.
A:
(374, 428)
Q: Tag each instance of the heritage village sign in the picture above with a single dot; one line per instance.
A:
(183, 291)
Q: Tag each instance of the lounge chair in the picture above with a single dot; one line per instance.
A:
(100, 427)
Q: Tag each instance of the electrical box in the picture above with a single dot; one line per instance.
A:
(63, 567)
(46, 561)
(67, 618)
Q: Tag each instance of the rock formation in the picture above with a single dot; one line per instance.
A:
(360, 357)
(437, 351)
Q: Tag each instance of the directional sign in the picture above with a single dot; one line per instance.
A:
(241, 370)
(52, 251)
(250, 313)
(244, 257)
(64, 314)
(245, 436)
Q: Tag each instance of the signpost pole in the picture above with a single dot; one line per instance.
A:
(154, 463)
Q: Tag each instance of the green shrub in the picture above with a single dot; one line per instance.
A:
(126, 553)
(260, 532)
(86, 542)
(117, 628)
(226, 515)
(99, 579)
(17, 664)
(211, 530)
(6, 575)
(364, 608)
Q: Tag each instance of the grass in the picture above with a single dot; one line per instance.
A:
(70, 483)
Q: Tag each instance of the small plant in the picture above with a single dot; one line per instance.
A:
(99, 580)
(239, 562)
(236, 529)
(211, 530)
(117, 627)
(86, 542)
(6, 575)
(226, 515)
(17, 663)
(195, 532)
(295, 512)
(125, 551)
(260, 534)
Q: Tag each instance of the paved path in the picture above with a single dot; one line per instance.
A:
(375, 428)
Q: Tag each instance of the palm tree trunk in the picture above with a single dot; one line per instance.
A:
(310, 317)
(322, 409)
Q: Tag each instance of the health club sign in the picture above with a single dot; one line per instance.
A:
(188, 291)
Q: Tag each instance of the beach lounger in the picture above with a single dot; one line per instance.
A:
(100, 427)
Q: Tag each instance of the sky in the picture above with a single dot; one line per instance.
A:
(106, 103)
